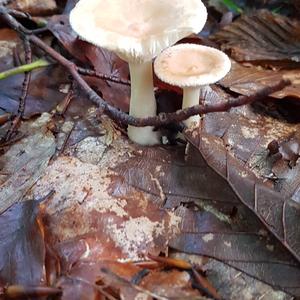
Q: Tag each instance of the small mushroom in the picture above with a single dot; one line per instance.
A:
(138, 30)
(191, 66)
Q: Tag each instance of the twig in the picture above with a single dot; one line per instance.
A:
(122, 281)
(24, 93)
(97, 287)
(40, 30)
(118, 115)
(40, 63)
(19, 14)
(27, 78)
(63, 105)
(26, 292)
(205, 286)
(93, 73)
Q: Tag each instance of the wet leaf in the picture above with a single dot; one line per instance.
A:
(117, 201)
(207, 223)
(261, 36)
(278, 214)
(43, 95)
(170, 284)
(248, 80)
(248, 136)
(86, 280)
(21, 245)
(240, 154)
(92, 204)
(125, 280)
(23, 164)
(231, 283)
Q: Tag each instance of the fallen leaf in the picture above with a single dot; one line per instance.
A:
(23, 164)
(43, 95)
(248, 80)
(261, 35)
(247, 135)
(21, 245)
(207, 226)
(35, 7)
(170, 284)
(125, 280)
(92, 204)
(231, 283)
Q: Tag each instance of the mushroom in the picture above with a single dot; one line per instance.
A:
(138, 30)
(191, 66)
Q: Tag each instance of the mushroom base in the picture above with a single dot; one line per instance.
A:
(191, 98)
(142, 103)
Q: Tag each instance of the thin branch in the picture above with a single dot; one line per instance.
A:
(118, 115)
(27, 78)
(19, 14)
(93, 73)
(25, 87)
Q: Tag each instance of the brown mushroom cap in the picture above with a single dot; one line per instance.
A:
(191, 65)
(137, 29)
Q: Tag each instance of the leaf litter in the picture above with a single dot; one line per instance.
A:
(115, 202)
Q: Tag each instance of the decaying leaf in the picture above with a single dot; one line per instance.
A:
(8, 41)
(126, 280)
(21, 245)
(248, 80)
(261, 36)
(231, 283)
(23, 164)
(43, 96)
(115, 201)
(277, 213)
(247, 136)
(208, 226)
(92, 204)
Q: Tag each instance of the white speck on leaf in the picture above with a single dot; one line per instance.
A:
(228, 244)
(208, 237)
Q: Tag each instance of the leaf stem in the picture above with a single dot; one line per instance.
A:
(40, 63)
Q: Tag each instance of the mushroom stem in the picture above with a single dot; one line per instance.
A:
(142, 102)
(190, 98)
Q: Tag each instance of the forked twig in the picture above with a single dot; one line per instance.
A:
(120, 116)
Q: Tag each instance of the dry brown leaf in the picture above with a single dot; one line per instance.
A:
(24, 163)
(35, 7)
(261, 36)
(248, 80)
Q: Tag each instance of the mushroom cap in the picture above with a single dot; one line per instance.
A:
(191, 65)
(137, 30)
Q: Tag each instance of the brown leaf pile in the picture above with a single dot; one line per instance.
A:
(115, 212)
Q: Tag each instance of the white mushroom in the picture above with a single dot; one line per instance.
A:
(191, 66)
(138, 30)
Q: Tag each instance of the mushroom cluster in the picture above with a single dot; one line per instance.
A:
(137, 31)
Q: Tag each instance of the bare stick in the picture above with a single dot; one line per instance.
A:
(24, 93)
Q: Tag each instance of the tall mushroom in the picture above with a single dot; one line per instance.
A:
(138, 30)
(191, 66)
